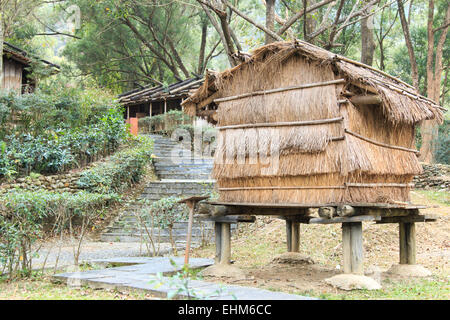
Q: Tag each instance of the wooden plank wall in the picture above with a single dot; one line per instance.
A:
(12, 75)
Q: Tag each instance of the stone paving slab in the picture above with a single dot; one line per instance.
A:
(142, 275)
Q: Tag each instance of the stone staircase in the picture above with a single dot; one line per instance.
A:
(180, 175)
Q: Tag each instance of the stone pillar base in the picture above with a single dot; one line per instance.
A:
(409, 270)
(223, 270)
(349, 281)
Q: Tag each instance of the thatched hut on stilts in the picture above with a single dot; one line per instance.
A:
(301, 127)
(299, 124)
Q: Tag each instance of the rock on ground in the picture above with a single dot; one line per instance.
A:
(292, 258)
(223, 270)
(353, 282)
(409, 270)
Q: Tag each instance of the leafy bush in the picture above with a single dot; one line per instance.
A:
(60, 149)
(122, 169)
(165, 212)
(63, 107)
(22, 214)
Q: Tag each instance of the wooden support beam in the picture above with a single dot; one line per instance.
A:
(225, 245)
(408, 218)
(309, 220)
(218, 241)
(407, 233)
(289, 235)
(228, 219)
(264, 92)
(295, 237)
(352, 244)
(366, 99)
(207, 101)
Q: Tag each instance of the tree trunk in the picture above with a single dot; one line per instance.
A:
(201, 56)
(429, 128)
(1, 51)
(367, 40)
(412, 56)
(270, 19)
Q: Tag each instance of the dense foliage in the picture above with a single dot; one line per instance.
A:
(48, 133)
(22, 216)
(122, 169)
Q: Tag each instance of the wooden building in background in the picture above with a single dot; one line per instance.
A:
(152, 101)
(16, 71)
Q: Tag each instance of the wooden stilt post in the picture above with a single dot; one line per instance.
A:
(225, 246)
(407, 233)
(218, 240)
(295, 237)
(191, 203)
(128, 112)
(352, 247)
(289, 235)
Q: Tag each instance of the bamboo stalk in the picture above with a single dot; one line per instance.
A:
(359, 185)
(280, 188)
(379, 143)
(360, 64)
(257, 93)
(378, 185)
(282, 124)
(410, 94)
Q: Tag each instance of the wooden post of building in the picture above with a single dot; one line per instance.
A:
(165, 116)
(191, 202)
(352, 247)
(295, 238)
(407, 232)
(289, 235)
(225, 245)
(218, 241)
(128, 112)
(151, 111)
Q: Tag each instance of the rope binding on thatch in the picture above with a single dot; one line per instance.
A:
(345, 186)
(259, 93)
(379, 143)
(282, 124)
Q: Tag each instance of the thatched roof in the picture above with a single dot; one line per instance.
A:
(401, 103)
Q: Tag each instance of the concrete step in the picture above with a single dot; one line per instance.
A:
(182, 173)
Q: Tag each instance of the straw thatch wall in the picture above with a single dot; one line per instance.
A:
(288, 133)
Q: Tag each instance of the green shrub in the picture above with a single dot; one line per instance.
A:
(22, 214)
(165, 212)
(122, 169)
(61, 149)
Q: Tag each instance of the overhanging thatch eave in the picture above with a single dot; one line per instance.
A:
(401, 103)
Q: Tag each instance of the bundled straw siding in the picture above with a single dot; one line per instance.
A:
(289, 134)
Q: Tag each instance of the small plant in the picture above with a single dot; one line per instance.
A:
(166, 212)
(22, 215)
(181, 284)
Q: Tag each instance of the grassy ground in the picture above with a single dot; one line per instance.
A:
(255, 245)
(42, 288)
